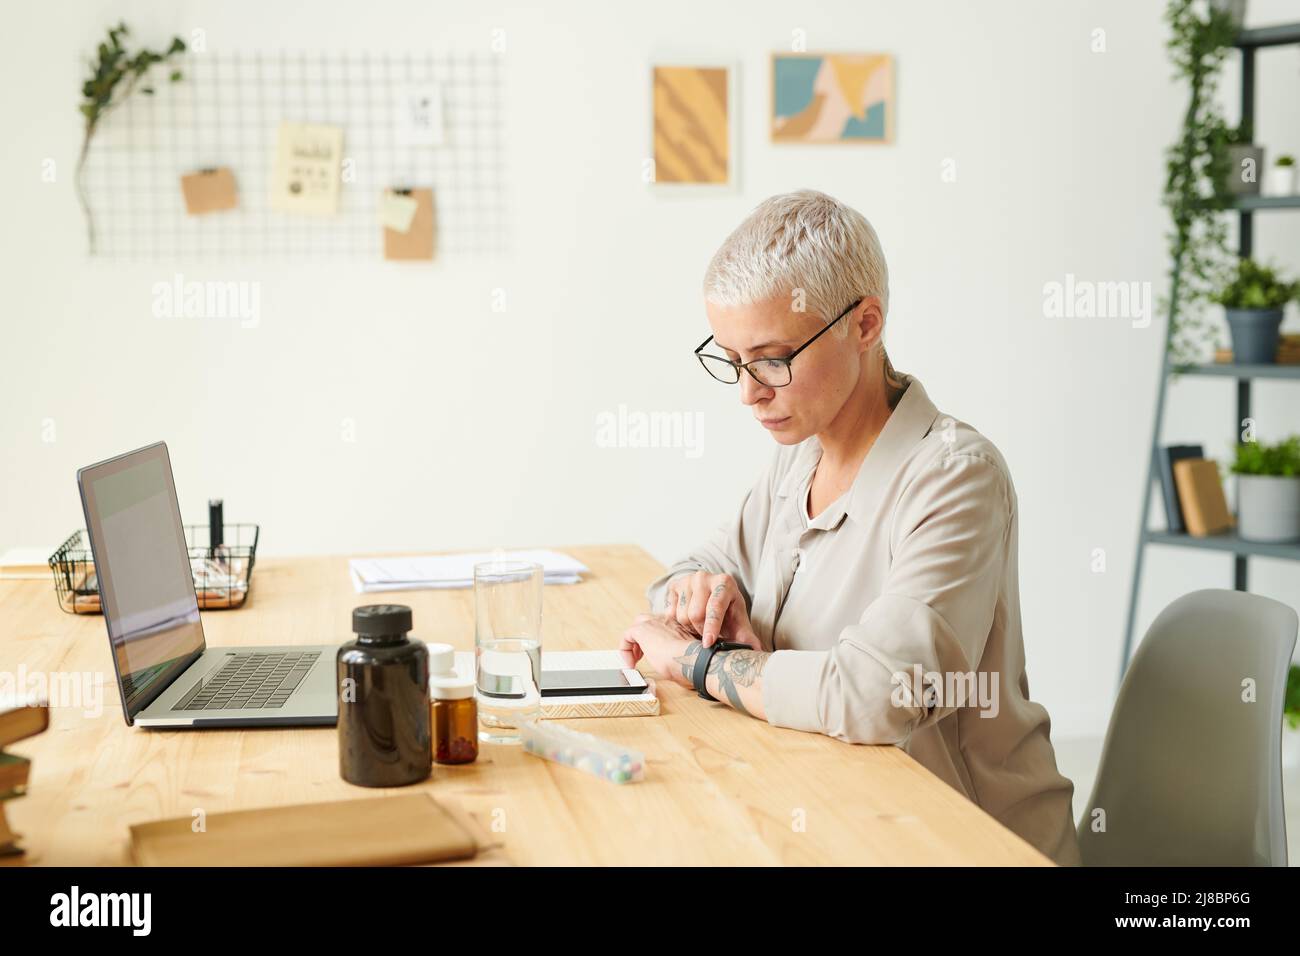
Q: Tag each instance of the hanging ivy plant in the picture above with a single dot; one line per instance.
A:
(113, 78)
(1197, 171)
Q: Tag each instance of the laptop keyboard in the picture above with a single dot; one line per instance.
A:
(261, 681)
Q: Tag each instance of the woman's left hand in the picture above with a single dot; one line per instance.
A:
(665, 644)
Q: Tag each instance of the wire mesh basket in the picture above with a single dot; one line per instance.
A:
(222, 575)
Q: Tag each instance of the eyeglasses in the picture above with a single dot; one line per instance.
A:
(772, 372)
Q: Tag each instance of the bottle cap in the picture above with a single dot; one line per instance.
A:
(381, 620)
(442, 659)
(451, 688)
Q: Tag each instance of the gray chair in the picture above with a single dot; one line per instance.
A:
(1191, 774)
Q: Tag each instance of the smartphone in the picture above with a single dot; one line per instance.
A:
(614, 680)
(500, 685)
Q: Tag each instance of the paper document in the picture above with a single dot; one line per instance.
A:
(453, 570)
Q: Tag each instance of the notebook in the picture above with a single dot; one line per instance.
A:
(1165, 458)
(1200, 493)
(644, 704)
(381, 831)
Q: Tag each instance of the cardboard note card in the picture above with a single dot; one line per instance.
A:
(307, 165)
(209, 190)
(416, 242)
(1200, 494)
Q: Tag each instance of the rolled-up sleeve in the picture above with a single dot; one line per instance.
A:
(949, 542)
(734, 548)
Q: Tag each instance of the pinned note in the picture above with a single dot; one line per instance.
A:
(307, 169)
(417, 241)
(397, 210)
(417, 115)
(209, 190)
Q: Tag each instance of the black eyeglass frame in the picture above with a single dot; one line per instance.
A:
(786, 360)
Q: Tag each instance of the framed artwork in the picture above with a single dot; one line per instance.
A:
(832, 98)
(693, 122)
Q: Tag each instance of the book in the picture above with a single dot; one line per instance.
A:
(1165, 458)
(378, 831)
(21, 718)
(1200, 493)
(643, 704)
(14, 771)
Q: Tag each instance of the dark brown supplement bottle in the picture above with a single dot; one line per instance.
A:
(383, 679)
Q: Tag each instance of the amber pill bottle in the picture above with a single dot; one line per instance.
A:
(454, 719)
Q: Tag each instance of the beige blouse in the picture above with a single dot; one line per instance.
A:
(895, 613)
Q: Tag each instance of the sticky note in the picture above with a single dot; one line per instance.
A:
(396, 211)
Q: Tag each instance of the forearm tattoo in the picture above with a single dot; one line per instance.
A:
(737, 669)
(686, 660)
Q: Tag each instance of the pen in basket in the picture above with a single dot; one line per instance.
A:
(216, 530)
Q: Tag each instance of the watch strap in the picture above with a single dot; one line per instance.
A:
(700, 672)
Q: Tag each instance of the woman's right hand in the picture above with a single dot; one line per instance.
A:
(711, 606)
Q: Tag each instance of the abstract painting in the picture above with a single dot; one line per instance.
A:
(692, 112)
(832, 98)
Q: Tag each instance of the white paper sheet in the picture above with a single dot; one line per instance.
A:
(421, 572)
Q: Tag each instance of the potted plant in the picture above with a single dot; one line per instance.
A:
(1291, 720)
(1268, 490)
(1245, 162)
(1281, 177)
(1197, 176)
(1253, 299)
(1235, 10)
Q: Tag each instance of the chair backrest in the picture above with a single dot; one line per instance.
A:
(1191, 771)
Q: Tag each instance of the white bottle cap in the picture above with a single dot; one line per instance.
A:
(442, 659)
(451, 688)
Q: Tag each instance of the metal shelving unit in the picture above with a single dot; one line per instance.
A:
(1247, 42)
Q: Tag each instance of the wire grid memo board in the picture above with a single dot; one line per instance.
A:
(226, 111)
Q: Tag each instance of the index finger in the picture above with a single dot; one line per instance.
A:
(719, 600)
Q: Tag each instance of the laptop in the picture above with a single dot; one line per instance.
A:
(167, 674)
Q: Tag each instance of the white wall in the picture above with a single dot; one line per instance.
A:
(477, 429)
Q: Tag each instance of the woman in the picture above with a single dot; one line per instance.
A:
(867, 589)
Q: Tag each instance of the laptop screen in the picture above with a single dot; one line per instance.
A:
(143, 568)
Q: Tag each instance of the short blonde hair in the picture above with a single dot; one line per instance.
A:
(802, 241)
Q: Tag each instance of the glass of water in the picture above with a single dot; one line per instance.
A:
(507, 647)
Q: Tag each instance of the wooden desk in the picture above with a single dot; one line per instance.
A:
(720, 787)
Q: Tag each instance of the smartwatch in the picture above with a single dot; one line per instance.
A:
(701, 669)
